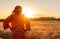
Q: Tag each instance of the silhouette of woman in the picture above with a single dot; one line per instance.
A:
(19, 23)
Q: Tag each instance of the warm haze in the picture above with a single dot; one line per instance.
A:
(31, 8)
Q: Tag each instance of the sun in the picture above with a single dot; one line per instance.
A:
(29, 13)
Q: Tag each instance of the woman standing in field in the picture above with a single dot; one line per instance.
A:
(19, 24)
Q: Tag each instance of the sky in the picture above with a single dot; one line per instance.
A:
(42, 8)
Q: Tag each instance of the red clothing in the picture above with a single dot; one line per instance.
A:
(18, 22)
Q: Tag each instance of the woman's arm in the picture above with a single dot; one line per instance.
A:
(6, 22)
(28, 27)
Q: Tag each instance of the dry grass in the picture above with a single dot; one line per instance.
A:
(41, 30)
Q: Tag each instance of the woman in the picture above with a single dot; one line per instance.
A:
(19, 23)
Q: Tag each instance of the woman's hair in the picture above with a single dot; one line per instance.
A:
(16, 8)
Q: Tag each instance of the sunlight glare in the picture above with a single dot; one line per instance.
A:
(29, 13)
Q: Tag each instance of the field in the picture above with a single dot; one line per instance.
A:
(39, 30)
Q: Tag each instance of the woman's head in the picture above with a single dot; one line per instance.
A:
(17, 10)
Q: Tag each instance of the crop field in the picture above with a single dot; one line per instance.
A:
(39, 30)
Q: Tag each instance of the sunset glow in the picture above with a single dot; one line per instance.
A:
(31, 8)
(29, 13)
